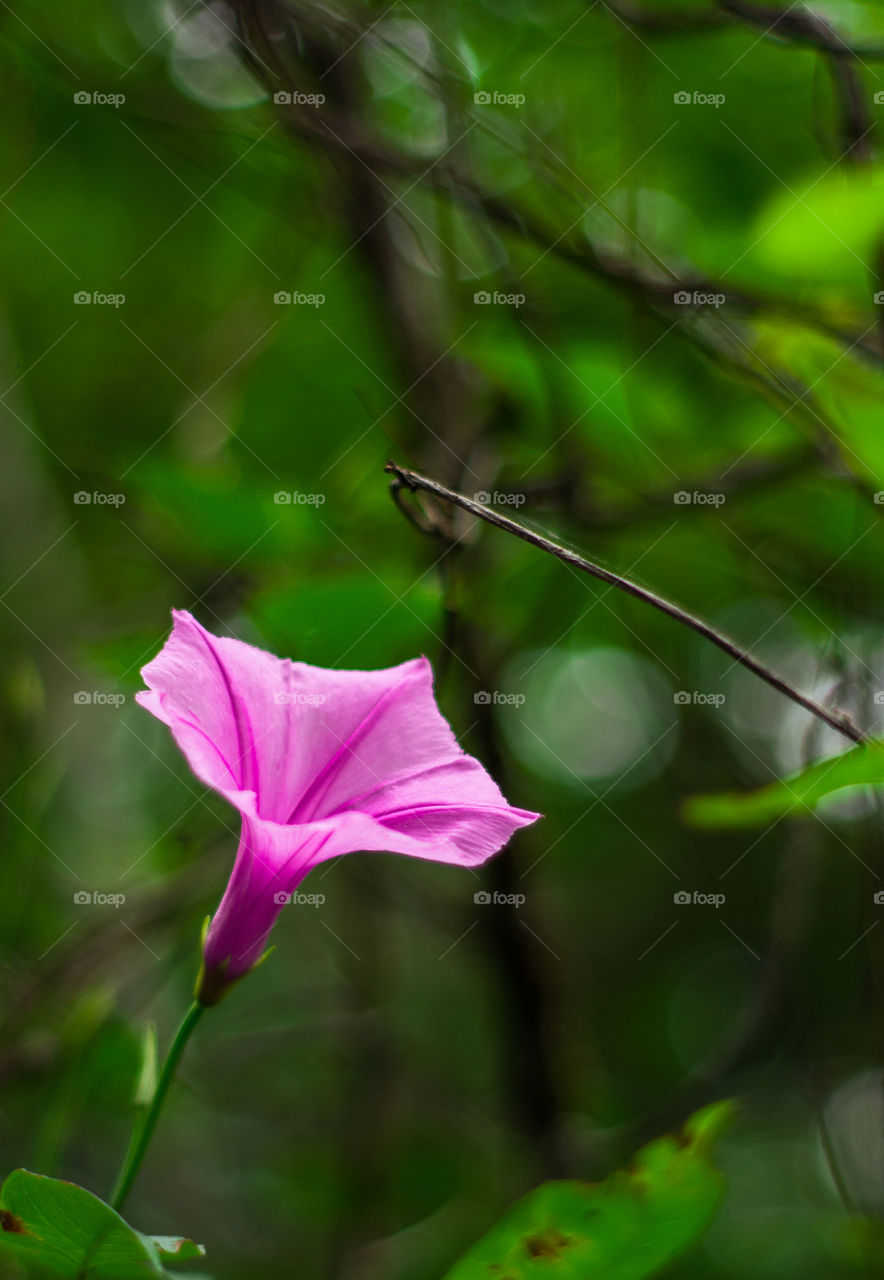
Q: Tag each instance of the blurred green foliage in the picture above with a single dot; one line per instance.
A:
(412, 1060)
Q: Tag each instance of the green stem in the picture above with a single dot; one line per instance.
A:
(144, 1127)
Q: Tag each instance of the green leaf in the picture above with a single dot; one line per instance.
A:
(58, 1230)
(177, 1248)
(825, 230)
(797, 796)
(625, 1228)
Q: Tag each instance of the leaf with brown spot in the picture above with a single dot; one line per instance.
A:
(59, 1230)
(9, 1222)
(626, 1228)
(547, 1245)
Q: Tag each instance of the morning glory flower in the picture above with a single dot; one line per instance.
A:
(318, 763)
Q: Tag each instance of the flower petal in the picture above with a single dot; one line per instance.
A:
(311, 744)
(273, 859)
(319, 763)
(270, 862)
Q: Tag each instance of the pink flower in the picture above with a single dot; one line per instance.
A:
(318, 763)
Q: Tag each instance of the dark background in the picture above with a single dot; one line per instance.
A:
(409, 1060)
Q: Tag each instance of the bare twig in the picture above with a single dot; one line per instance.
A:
(681, 22)
(801, 25)
(835, 719)
(795, 23)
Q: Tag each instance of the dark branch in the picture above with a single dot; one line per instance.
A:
(836, 720)
(795, 23)
(801, 25)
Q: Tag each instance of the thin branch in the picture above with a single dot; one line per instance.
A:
(682, 22)
(839, 721)
(801, 25)
(796, 23)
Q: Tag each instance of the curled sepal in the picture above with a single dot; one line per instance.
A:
(214, 981)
